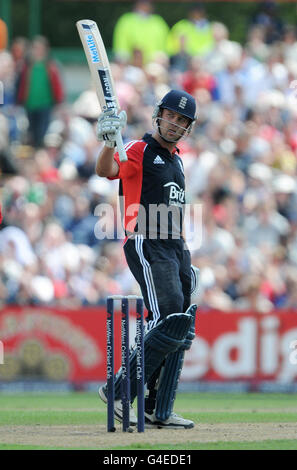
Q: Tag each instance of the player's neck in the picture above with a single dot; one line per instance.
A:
(168, 145)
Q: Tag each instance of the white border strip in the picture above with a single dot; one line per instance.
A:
(148, 276)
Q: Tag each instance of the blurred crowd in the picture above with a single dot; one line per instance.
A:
(240, 164)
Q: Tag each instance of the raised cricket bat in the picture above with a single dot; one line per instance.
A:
(101, 73)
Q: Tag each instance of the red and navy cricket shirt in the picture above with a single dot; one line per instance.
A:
(151, 189)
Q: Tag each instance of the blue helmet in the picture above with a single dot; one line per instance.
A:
(179, 101)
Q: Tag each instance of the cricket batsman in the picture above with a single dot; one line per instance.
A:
(152, 186)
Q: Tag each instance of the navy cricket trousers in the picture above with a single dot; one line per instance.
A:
(163, 270)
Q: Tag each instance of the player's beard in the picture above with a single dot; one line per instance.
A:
(179, 131)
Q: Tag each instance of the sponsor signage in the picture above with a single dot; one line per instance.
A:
(63, 344)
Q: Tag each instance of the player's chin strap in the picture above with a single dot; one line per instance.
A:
(156, 118)
(184, 131)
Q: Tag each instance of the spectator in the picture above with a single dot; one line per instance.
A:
(197, 77)
(256, 43)
(290, 301)
(251, 298)
(215, 59)
(192, 36)
(268, 18)
(19, 49)
(266, 226)
(139, 34)
(3, 35)
(7, 73)
(39, 89)
(14, 243)
(8, 164)
(81, 227)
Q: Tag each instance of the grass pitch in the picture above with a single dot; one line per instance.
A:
(78, 421)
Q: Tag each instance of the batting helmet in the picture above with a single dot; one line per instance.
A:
(179, 101)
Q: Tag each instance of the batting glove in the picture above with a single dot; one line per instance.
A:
(108, 126)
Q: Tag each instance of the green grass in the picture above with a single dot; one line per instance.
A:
(264, 445)
(210, 408)
(14, 417)
(220, 445)
(227, 401)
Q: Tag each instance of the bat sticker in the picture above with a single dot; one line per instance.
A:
(92, 48)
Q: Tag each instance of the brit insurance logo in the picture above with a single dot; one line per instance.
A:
(176, 196)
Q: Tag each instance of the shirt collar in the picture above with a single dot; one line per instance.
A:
(155, 144)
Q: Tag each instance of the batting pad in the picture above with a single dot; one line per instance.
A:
(166, 337)
(168, 384)
(170, 374)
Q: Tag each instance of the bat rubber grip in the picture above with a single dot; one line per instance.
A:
(120, 147)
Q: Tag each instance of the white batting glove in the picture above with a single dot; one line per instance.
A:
(108, 125)
(195, 274)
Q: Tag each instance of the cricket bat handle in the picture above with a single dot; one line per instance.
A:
(120, 147)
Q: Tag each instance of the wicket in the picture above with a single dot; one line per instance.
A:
(125, 390)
